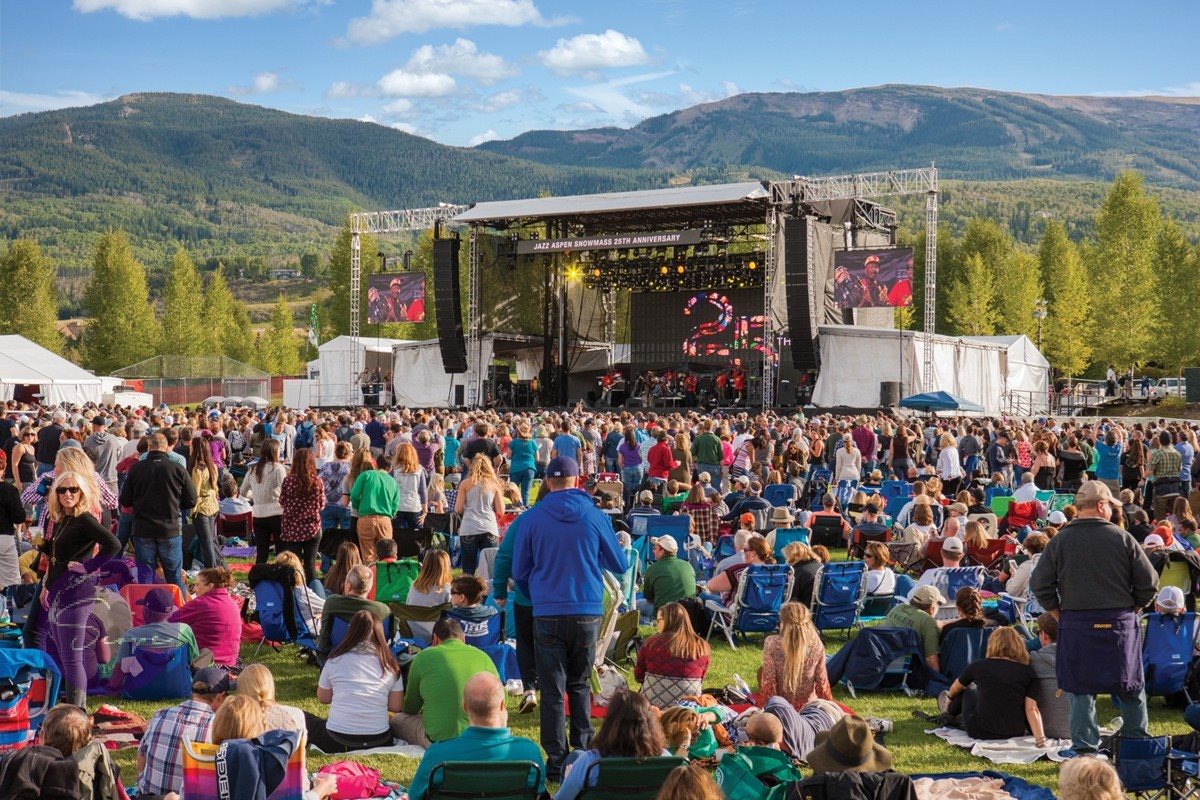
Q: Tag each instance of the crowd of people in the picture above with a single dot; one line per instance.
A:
(543, 507)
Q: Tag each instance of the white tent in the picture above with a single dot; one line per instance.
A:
(420, 381)
(1027, 374)
(337, 387)
(24, 363)
(856, 360)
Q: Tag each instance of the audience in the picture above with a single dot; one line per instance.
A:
(806, 566)
(672, 663)
(629, 730)
(430, 589)
(1054, 704)
(996, 696)
(309, 603)
(793, 660)
(160, 757)
(68, 730)
(214, 616)
(968, 602)
(669, 578)
(154, 632)
(345, 605)
(918, 613)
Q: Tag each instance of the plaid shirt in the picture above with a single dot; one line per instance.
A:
(1165, 462)
(162, 745)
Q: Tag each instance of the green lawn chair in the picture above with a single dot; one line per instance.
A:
(484, 780)
(1000, 506)
(628, 778)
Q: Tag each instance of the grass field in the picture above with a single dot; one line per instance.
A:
(914, 752)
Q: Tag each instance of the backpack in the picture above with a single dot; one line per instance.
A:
(237, 442)
(304, 434)
(160, 675)
(737, 781)
(393, 579)
(354, 781)
(1167, 652)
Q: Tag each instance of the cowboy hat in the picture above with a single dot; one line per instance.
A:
(781, 516)
(849, 746)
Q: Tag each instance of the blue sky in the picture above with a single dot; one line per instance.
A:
(463, 71)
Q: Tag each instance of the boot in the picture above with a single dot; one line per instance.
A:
(73, 696)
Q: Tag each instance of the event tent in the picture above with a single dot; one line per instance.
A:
(336, 386)
(25, 363)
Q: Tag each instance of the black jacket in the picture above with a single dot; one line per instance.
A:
(158, 489)
(48, 443)
(37, 772)
(854, 786)
(12, 513)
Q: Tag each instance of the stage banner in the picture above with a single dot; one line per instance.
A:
(873, 278)
(627, 241)
(396, 297)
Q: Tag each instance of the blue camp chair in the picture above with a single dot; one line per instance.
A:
(785, 536)
(724, 547)
(488, 635)
(958, 577)
(845, 490)
(762, 590)
(779, 494)
(880, 658)
(1149, 768)
(37, 682)
(281, 619)
(995, 491)
(890, 489)
(818, 485)
(340, 624)
(960, 647)
(677, 526)
(895, 505)
(165, 674)
(1167, 653)
(841, 588)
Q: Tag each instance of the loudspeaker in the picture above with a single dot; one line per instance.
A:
(802, 325)
(460, 398)
(889, 394)
(448, 306)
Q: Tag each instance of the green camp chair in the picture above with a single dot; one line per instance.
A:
(1060, 501)
(484, 780)
(769, 765)
(1000, 505)
(1176, 573)
(403, 614)
(628, 778)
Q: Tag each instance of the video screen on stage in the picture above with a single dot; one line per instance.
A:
(873, 278)
(711, 327)
(396, 297)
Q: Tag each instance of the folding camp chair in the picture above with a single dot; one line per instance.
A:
(960, 647)
(999, 505)
(1167, 653)
(1176, 572)
(837, 601)
(339, 625)
(1150, 769)
(34, 681)
(723, 548)
(904, 554)
(405, 617)
(880, 658)
(240, 525)
(845, 490)
(484, 780)
(278, 615)
(132, 592)
(827, 530)
(785, 536)
(677, 526)
(1060, 501)
(779, 494)
(859, 539)
(488, 635)
(989, 522)
(628, 778)
(933, 556)
(761, 591)
(960, 577)
(1044, 496)
(991, 556)
(162, 674)
(995, 491)
(895, 505)
(893, 489)
(393, 579)
(817, 487)
(200, 768)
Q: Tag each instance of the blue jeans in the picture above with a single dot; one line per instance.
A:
(523, 478)
(470, 547)
(610, 463)
(149, 552)
(565, 649)
(1085, 733)
(631, 479)
(206, 540)
(124, 529)
(335, 517)
(714, 472)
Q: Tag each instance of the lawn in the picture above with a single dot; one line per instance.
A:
(914, 751)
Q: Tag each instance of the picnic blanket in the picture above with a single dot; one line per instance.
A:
(1020, 750)
(406, 750)
(239, 552)
(986, 785)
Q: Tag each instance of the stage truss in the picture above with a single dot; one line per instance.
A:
(786, 197)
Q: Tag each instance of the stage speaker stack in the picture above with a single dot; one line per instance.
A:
(799, 288)
(448, 306)
(889, 394)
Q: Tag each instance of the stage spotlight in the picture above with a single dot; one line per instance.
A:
(679, 269)
(596, 272)
(663, 270)
(752, 265)
(573, 273)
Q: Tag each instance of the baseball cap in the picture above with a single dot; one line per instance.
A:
(952, 545)
(158, 601)
(101, 420)
(562, 467)
(1092, 492)
(357, 426)
(59, 415)
(705, 477)
(744, 480)
(213, 680)
(1153, 541)
(959, 507)
(1170, 598)
(1056, 518)
(927, 595)
(667, 543)
(645, 496)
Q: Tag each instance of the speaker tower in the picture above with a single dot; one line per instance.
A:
(448, 305)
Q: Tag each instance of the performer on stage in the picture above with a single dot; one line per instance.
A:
(739, 382)
(722, 386)
(607, 381)
(690, 384)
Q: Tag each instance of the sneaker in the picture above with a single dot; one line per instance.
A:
(943, 700)
(528, 704)
(879, 726)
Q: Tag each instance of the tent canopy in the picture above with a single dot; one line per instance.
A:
(940, 401)
(336, 386)
(26, 363)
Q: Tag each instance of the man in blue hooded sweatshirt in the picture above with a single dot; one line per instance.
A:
(565, 544)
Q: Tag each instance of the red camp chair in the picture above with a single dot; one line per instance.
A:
(236, 525)
(992, 555)
(132, 592)
(933, 556)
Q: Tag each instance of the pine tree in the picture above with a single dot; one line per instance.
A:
(1067, 329)
(337, 306)
(217, 312)
(185, 331)
(279, 349)
(240, 342)
(1123, 273)
(122, 329)
(1177, 319)
(28, 296)
(971, 300)
(1018, 288)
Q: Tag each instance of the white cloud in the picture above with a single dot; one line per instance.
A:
(592, 51)
(368, 118)
(502, 100)
(403, 126)
(1184, 90)
(730, 88)
(612, 100)
(461, 58)
(399, 83)
(197, 9)
(22, 102)
(487, 136)
(398, 107)
(265, 83)
(390, 18)
(351, 89)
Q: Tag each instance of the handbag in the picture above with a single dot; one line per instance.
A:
(1099, 652)
(354, 781)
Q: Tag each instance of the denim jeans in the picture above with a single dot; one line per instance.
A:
(150, 552)
(525, 651)
(610, 463)
(471, 545)
(124, 529)
(714, 472)
(335, 517)
(206, 540)
(523, 478)
(1085, 733)
(564, 653)
(631, 479)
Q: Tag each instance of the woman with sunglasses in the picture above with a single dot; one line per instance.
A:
(22, 466)
(81, 545)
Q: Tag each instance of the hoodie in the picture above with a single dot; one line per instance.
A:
(558, 560)
(105, 450)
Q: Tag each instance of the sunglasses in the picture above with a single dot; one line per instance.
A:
(67, 490)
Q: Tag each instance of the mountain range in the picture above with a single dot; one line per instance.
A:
(224, 177)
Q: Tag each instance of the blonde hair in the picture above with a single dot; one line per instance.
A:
(239, 717)
(435, 572)
(1089, 779)
(799, 636)
(483, 474)
(976, 535)
(677, 721)
(1007, 643)
(292, 560)
(89, 494)
(691, 782)
(798, 553)
(257, 682)
(73, 459)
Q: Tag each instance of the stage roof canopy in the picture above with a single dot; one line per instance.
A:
(685, 206)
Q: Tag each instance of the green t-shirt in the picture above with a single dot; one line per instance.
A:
(668, 580)
(909, 616)
(436, 680)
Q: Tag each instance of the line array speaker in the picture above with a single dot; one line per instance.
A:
(802, 328)
(448, 305)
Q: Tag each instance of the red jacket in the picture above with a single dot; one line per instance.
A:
(661, 460)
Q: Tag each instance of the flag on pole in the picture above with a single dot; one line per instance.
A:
(312, 324)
